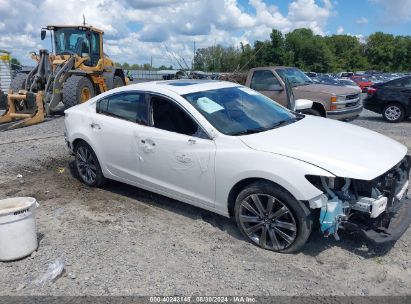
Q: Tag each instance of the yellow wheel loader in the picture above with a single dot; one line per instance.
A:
(77, 70)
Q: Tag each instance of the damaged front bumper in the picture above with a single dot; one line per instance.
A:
(395, 225)
(379, 210)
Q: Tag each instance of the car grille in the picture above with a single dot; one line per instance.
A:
(353, 96)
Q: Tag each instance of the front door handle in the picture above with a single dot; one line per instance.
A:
(148, 142)
(95, 126)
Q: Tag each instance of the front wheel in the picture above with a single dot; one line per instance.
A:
(77, 89)
(271, 218)
(312, 112)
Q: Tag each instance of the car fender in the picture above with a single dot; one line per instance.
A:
(287, 172)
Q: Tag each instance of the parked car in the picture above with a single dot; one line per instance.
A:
(347, 82)
(332, 101)
(392, 99)
(231, 150)
(344, 75)
(363, 82)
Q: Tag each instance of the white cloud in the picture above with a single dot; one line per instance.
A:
(135, 30)
(362, 20)
(340, 30)
(394, 11)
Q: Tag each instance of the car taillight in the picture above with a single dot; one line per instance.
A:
(371, 90)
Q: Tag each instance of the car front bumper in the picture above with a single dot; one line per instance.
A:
(349, 113)
(399, 221)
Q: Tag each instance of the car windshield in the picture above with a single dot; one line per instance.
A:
(294, 76)
(240, 110)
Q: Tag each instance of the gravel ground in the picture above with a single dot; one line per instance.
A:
(121, 240)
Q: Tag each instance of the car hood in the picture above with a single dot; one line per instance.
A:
(326, 88)
(342, 149)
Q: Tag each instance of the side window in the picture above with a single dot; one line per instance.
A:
(95, 48)
(170, 117)
(128, 106)
(407, 83)
(264, 81)
(396, 83)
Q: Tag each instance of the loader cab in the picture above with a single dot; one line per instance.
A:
(83, 41)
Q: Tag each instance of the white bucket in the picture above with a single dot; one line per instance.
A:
(18, 233)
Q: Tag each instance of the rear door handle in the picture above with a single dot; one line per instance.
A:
(95, 126)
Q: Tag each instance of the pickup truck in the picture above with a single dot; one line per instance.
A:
(332, 101)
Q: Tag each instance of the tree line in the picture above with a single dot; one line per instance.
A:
(309, 52)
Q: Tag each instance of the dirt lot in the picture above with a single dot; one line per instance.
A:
(121, 240)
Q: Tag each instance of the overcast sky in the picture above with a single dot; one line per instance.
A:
(135, 30)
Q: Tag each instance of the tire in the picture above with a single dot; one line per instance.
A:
(74, 90)
(287, 227)
(88, 167)
(117, 82)
(18, 82)
(393, 113)
(312, 112)
(3, 100)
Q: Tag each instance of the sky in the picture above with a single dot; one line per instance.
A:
(138, 30)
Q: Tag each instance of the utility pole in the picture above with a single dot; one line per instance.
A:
(194, 55)
(151, 62)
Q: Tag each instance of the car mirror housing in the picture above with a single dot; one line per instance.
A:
(303, 104)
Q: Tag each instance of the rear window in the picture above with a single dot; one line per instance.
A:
(128, 106)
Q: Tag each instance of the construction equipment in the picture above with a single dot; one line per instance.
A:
(77, 71)
(5, 76)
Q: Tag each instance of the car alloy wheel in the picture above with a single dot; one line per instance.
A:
(393, 113)
(268, 222)
(86, 165)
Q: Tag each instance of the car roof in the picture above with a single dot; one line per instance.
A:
(182, 86)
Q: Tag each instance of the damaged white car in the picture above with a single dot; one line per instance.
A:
(225, 148)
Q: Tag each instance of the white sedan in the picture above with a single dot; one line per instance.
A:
(225, 148)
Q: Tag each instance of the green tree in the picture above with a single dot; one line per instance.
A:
(307, 51)
(380, 51)
(15, 64)
(348, 53)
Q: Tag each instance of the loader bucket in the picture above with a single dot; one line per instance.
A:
(13, 118)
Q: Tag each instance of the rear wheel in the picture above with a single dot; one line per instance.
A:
(87, 166)
(77, 89)
(271, 218)
(18, 82)
(117, 82)
(16, 85)
(393, 113)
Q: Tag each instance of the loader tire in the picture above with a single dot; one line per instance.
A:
(18, 82)
(77, 89)
(117, 82)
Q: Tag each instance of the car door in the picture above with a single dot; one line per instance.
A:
(177, 155)
(265, 82)
(114, 125)
(406, 92)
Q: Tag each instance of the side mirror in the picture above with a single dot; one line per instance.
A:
(275, 87)
(303, 104)
(43, 34)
